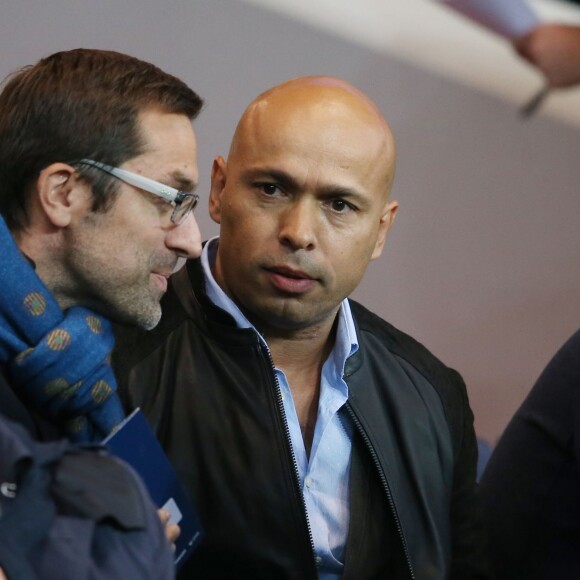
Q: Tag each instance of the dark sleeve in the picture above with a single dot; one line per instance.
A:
(469, 539)
(531, 485)
(131, 549)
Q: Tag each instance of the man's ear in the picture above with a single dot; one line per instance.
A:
(218, 183)
(386, 221)
(61, 194)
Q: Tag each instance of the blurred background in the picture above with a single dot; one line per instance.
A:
(482, 263)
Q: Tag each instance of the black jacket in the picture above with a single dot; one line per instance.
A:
(209, 390)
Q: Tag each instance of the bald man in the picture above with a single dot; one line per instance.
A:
(316, 440)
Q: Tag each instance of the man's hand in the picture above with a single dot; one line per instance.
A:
(172, 531)
(555, 50)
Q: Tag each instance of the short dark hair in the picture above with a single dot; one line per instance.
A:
(79, 104)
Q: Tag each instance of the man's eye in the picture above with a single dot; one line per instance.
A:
(269, 188)
(340, 206)
(162, 204)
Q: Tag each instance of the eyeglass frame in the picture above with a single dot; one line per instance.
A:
(169, 194)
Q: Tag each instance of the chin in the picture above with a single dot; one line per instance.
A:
(145, 318)
(150, 322)
(286, 321)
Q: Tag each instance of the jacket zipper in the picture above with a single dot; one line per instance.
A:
(386, 488)
(299, 495)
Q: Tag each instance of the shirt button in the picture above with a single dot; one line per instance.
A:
(318, 560)
(308, 481)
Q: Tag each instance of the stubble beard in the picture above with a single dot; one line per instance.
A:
(134, 306)
(130, 301)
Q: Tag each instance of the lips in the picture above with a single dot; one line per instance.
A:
(161, 280)
(290, 280)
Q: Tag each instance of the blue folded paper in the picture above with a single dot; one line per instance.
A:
(135, 443)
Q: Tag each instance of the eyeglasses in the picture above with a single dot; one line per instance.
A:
(184, 202)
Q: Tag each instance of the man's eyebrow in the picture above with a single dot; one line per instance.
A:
(179, 181)
(290, 183)
(280, 177)
(340, 191)
(359, 199)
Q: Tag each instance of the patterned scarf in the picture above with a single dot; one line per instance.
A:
(56, 361)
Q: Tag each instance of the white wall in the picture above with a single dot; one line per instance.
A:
(482, 264)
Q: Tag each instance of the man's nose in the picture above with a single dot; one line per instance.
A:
(185, 239)
(298, 225)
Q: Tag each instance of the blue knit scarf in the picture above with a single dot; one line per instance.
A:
(57, 362)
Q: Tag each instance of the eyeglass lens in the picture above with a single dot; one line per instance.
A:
(183, 208)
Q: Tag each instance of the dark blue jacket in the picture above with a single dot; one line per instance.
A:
(72, 513)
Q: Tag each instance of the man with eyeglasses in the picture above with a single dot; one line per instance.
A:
(317, 440)
(97, 172)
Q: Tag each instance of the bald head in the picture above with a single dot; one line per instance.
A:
(326, 107)
(302, 203)
(323, 87)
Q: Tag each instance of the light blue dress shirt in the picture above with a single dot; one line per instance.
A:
(324, 478)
